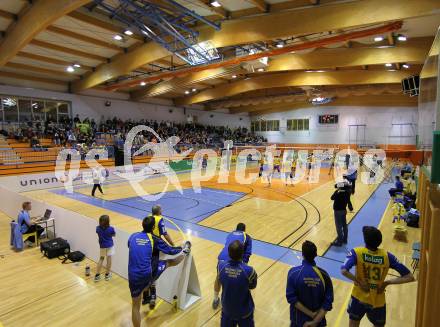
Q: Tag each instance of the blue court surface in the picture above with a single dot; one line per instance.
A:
(187, 206)
(186, 210)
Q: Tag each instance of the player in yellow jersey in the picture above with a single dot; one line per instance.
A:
(291, 172)
(276, 166)
(372, 265)
(159, 231)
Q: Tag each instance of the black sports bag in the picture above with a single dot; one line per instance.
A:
(75, 256)
(55, 248)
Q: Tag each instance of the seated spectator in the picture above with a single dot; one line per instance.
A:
(398, 187)
(35, 144)
(27, 224)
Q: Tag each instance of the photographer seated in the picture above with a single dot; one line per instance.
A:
(27, 224)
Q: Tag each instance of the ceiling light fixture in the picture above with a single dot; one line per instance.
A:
(193, 90)
(378, 39)
(70, 69)
(143, 83)
(186, 92)
(320, 100)
(128, 32)
(215, 3)
(280, 44)
(402, 38)
(77, 65)
(117, 37)
(388, 65)
(406, 66)
(234, 76)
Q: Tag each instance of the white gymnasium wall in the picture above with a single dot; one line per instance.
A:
(427, 122)
(92, 105)
(382, 125)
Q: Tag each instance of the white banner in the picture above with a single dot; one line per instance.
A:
(40, 181)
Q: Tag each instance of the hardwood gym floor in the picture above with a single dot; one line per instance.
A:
(41, 292)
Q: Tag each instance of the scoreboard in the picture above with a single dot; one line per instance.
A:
(328, 119)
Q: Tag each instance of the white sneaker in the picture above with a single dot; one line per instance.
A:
(108, 276)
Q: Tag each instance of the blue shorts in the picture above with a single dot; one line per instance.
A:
(241, 322)
(357, 310)
(138, 284)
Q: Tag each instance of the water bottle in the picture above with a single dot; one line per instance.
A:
(87, 270)
(174, 303)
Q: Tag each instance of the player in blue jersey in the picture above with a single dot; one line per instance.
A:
(238, 235)
(141, 274)
(309, 291)
(236, 279)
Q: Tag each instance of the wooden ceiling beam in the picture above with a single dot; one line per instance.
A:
(37, 18)
(38, 69)
(294, 79)
(8, 15)
(262, 5)
(414, 50)
(92, 20)
(391, 40)
(384, 100)
(265, 27)
(31, 78)
(218, 11)
(190, 79)
(274, 8)
(63, 32)
(49, 60)
(74, 52)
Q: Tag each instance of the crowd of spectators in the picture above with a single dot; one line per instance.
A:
(87, 133)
